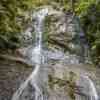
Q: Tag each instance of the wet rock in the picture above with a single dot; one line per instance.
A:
(83, 88)
(12, 74)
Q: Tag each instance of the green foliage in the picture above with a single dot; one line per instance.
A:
(81, 6)
(89, 13)
(91, 25)
(11, 11)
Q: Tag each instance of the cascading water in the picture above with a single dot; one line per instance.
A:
(36, 58)
(93, 92)
(88, 89)
(36, 81)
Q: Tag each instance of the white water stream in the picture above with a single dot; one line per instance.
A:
(38, 59)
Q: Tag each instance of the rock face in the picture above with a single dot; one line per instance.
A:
(65, 34)
(66, 54)
(70, 89)
(62, 32)
(12, 74)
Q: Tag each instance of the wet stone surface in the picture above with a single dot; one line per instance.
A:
(12, 74)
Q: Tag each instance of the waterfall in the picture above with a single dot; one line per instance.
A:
(93, 92)
(35, 83)
(36, 58)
